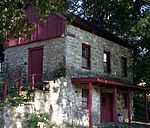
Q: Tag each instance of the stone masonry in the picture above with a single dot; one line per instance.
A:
(16, 58)
(98, 45)
(63, 102)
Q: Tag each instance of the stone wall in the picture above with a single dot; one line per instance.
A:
(98, 45)
(62, 103)
(16, 58)
(67, 52)
(121, 107)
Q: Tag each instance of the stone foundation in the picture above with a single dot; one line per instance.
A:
(62, 103)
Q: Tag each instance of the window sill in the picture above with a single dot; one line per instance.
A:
(85, 108)
(107, 72)
(88, 68)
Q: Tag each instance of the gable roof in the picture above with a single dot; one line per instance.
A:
(99, 31)
(54, 29)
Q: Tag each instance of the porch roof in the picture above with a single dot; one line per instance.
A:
(108, 83)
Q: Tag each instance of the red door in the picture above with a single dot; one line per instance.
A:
(106, 107)
(36, 63)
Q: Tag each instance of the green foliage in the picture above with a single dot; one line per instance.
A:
(130, 20)
(13, 21)
(127, 19)
(61, 71)
(14, 98)
(36, 118)
(139, 111)
(122, 126)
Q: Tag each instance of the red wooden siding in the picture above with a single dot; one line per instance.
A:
(53, 27)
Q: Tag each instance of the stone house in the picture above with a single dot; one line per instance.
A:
(87, 68)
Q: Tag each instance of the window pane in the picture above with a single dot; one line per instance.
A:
(85, 56)
(106, 61)
(84, 105)
(124, 66)
(85, 96)
(105, 57)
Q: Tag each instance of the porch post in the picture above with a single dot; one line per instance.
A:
(90, 105)
(115, 107)
(146, 109)
(32, 81)
(19, 85)
(4, 90)
(129, 106)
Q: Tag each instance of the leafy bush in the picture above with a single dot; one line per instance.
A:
(35, 119)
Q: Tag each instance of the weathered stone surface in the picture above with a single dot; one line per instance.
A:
(98, 45)
(63, 101)
(16, 58)
(63, 106)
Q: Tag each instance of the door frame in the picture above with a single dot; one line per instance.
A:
(106, 93)
(29, 58)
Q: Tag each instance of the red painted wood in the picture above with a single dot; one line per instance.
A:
(115, 107)
(110, 83)
(146, 108)
(90, 105)
(19, 85)
(4, 90)
(52, 28)
(32, 81)
(129, 106)
(36, 63)
(106, 107)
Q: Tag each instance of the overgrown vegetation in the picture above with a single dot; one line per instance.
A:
(15, 98)
(139, 106)
(36, 119)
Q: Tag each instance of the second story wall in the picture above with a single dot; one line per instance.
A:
(119, 56)
(17, 58)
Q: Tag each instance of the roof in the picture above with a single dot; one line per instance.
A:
(97, 30)
(108, 83)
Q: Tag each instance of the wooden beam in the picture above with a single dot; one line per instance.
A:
(19, 85)
(146, 108)
(90, 105)
(129, 106)
(115, 107)
(32, 81)
(4, 90)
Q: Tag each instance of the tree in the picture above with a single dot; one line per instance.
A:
(13, 20)
(128, 19)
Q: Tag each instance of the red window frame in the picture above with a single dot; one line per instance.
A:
(106, 62)
(85, 98)
(124, 66)
(86, 56)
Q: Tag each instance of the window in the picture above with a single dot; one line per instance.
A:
(1, 66)
(86, 62)
(106, 61)
(124, 66)
(85, 98)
